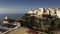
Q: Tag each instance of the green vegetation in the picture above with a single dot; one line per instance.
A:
(49, 24)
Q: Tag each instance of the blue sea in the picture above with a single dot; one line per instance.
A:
(11, 15)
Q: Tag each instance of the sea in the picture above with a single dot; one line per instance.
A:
(12, 16)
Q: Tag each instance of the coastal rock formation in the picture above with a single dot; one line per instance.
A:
(8, 24)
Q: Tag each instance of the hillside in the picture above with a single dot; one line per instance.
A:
(44, 22)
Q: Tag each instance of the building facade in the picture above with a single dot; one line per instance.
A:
(40, 11)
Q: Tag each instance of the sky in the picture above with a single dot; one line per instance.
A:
(22, 6)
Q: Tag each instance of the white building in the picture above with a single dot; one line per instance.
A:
(40, 11)
(58, 13)
(34, 12)
(6, 17)
(30, 12)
